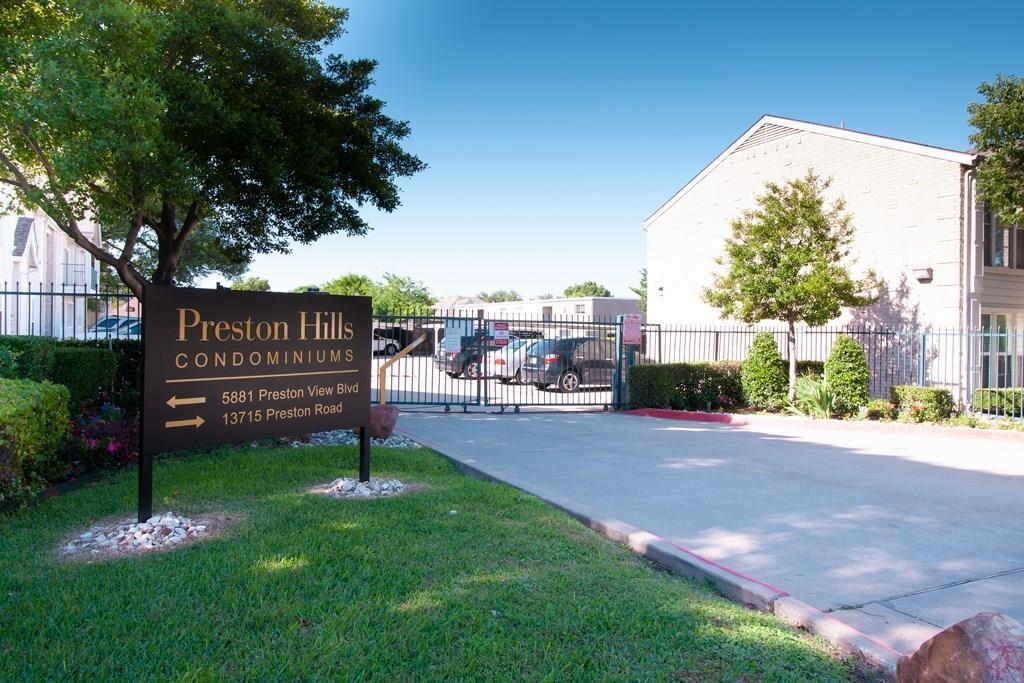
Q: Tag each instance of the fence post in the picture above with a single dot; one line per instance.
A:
(920, 359)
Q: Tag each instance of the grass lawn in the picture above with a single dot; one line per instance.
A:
(504, 588)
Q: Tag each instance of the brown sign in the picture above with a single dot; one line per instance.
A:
(227, 367)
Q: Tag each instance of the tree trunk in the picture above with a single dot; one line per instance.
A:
(791, 342)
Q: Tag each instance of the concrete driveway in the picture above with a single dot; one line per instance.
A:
(897, 535)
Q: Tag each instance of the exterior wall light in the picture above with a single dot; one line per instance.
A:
(923, 274)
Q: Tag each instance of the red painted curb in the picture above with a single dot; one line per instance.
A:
(729, 570)
(692, 415)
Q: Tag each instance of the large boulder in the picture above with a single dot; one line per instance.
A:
(986, 648)
(383, 419)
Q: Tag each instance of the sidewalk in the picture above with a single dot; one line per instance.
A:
(897, 535)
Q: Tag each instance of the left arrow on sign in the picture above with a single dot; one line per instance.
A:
(194, 422)
(174, 401)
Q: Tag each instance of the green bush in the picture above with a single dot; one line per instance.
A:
(763, 374)
(922, 404)
(811, 368)
(34, 423)
(88, 373)
(127, 377)
(1002, 402)
(846, 371)
(29, 357)
(880, 409)
(686, 386)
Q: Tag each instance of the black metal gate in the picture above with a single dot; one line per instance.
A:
(508, 361)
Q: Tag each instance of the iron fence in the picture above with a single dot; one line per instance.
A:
(68, 311)
(983, 368)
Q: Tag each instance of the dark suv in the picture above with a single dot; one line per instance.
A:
(569, 363)
(467, 361)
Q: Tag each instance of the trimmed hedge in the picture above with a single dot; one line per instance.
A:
(34, 424)
(28, 357)
(88, 373)
(127, 377)
(922, 403)
(764, 376)
(814, 368)
(686, 386)
(847, 372)
(1002, 402)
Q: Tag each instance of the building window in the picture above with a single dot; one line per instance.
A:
(1004, 245)
(581, 308)
(1002, 349)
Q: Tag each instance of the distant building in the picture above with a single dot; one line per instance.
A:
(36, 256)
(587, 307)
(945, 260)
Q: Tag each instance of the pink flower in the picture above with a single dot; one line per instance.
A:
(113, 447)
(91, 443)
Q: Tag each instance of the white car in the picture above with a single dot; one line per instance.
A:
(384, 346)
(112, 327)
(503, 364)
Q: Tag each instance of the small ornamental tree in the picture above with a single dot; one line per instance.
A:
(785, 261)
(847, 372)
(999, 135)
(641, 291)
(251, 284)
(763, 374)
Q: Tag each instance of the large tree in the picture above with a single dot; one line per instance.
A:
(999, 136)
(161, 119)
(588, 288)
(787, 260)
(402, 295)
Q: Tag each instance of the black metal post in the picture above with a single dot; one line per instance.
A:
(364, 453)
(145, 458)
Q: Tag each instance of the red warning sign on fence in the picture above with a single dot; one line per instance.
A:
(500, 333)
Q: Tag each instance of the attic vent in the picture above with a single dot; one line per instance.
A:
(766, 133)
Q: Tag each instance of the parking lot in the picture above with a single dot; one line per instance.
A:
(415, 380)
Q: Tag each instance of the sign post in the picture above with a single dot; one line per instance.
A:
(224, 367)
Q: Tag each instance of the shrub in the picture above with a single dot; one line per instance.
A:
(846, 371)
(1002, 402)
(814, 398)
(107, 437)
(812, 368)
(34, 424)
(29, 357)
(88, 373)
(880, 409)
(920, 404)
(686, 386)
(763, 374)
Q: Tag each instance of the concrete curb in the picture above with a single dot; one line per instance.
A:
(830, 425)
(732, 584)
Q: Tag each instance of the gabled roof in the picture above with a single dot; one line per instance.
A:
(21, 233)
(768, 128)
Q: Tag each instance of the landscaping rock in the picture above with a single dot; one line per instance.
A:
(128, 537)
(383, 419)
(986, 648)
(353, 488)
(346, 437)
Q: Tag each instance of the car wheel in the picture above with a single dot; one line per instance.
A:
(390, 350)
(517, 379)
(569, 382)
(472, 370)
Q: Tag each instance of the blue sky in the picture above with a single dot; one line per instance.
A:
(552, 129)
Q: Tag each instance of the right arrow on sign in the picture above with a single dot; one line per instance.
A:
(196, 422)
